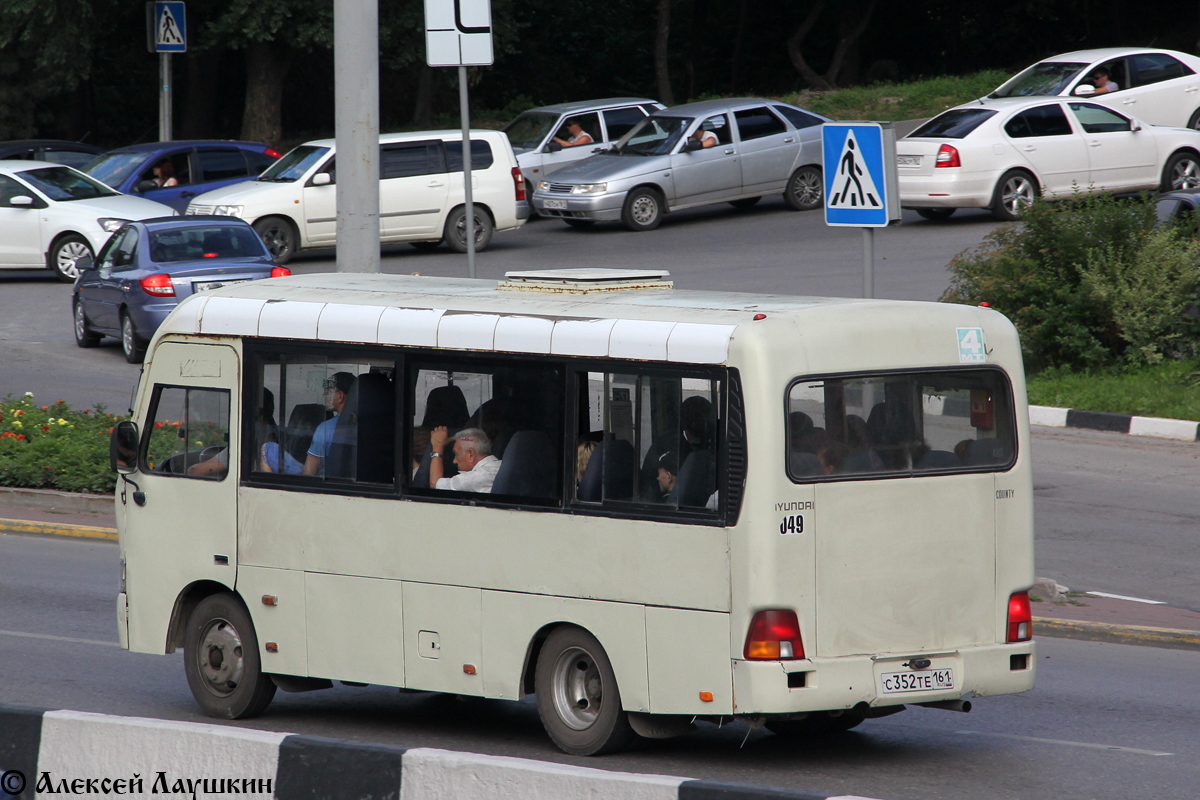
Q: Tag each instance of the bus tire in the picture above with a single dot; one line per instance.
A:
(577, 695)
(222, 662)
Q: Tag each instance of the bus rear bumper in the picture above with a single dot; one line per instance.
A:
(783, 687)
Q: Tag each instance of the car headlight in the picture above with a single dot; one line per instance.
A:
(110, 224)
(228, 211)
(589, 188)
(544, 186)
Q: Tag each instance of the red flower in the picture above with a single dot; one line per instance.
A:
(158, 424)
(45, 408)
(45, 427)
(20, 437)
(110, 430)
(85, 411)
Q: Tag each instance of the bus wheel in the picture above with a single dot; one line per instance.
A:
(818, 723)
(577, 696)
(220, 656)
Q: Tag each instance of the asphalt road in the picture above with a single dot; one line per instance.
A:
(768, 248)
(1105, 721)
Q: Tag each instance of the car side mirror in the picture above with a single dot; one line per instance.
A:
(1134, 125)
(84, 263)
(553, 147)
(122, 448)
(21, 201)
(148, 185)
(322, 179)
(1084, 90)
(693, 145)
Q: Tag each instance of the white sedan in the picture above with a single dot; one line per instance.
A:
(1161, 87)
(1000, 154)
(51, 215)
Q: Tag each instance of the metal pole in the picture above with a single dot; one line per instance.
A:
(868, 262)
(164, 97)
(356, 125)
(464, 111)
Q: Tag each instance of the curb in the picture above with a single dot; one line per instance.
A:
(57, 529)
(73, 502)
(1155, 427)
(77, 752)
(1170, 638)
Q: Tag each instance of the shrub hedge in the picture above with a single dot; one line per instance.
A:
(54, 446)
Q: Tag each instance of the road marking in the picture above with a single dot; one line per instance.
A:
(58, 638)
(1123, 597)
(1089, 745)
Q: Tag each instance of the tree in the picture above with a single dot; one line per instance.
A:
(662, 39)
(853, 20)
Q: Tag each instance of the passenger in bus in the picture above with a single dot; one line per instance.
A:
(583, 454)
(336, 390)
(699, 424)
(668, 472)
(832, 457)
(477, 467)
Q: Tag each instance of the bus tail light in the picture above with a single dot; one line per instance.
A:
(947, 157)
(519, 181)
(280, 272)
(158, 285)
(774, 636)
(1020, 618)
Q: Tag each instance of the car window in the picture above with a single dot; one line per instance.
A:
(221, 164)
(755, 123)
(209, 241)
(295, 164)
(10, 188)
(1155, 67)
(653, 136)
(620, 121)
(64, 183)
(589, 122)
(181, 168)
(1048, 78)
(115, 168)
(1098, 119)
(72, 158)
(953, 124)
(126, 250)
(719, 125)
(1040, 121)
(798, 118)
(650, 108)
(481, 155)
(529, 129)
(108, 252)
(413, 158)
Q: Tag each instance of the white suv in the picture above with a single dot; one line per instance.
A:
(293, 204)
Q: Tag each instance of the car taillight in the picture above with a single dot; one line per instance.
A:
(1020, 618)
(774, 636)
(158, 285)
(947, 157)
(519, 180)
(271, 152)
(280, 272)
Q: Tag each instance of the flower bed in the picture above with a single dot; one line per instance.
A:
(54, 446)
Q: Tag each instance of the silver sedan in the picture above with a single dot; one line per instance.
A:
(720, 151)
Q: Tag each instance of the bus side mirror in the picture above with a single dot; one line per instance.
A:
(122, 448)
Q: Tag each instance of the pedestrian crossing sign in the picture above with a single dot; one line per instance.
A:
(168, 31)
(860, 174)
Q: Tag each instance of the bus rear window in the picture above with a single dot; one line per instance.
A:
(900, 425)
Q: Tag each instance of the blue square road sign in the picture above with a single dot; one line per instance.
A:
(859, 191)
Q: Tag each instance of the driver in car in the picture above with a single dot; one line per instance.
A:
(1102, 83)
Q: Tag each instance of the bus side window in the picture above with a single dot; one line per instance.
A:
(188, 434)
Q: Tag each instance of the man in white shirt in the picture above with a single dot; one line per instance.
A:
(477, 467)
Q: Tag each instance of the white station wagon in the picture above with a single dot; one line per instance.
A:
(293, 204)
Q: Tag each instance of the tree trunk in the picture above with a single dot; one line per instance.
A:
(851, 32)
(423, 107)
(200, 106)
(266, 67)
(661, 41)
(739, 42)
(795, 44)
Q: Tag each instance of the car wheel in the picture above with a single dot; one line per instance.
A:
(84, 337)
(221, 659)
(280, 237)
(577, 696)
(456, 229)
(745, 202)
(936, 213)
(643, 210)
(579, 223)
(425, 247)
(805, 189)
(1181, 172)
(1015, 191)
(131, 345)
(64, 254)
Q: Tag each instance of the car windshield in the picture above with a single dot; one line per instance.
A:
(1049, 77)
(115, 168)
(953, 124)
(653, 136)
(209, 241)
(64, 183)
(529, 129)
(293, 166)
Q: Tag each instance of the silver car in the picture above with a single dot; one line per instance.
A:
(533, 132)
(718, 151)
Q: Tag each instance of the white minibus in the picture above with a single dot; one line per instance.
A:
(644, 506)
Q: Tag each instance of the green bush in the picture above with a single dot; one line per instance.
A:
(54, 447)
(1088, 282)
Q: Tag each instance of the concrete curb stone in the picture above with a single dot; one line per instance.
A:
(1156, 427)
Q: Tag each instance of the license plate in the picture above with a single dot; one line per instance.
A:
(208, 286)
(918, 680)
(559, 204)
(908, 161)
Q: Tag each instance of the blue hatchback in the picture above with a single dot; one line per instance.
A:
(196, 167)
(147, 267)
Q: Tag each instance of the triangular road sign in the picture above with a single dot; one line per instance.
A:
(168, 29)
(853, 186)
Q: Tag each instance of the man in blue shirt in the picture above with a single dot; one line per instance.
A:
(336, 389)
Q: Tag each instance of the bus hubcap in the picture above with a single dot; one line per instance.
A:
(578, 689)
(220, 657)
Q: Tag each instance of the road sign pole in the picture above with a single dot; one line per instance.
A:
(868, 262)
(465, 112)
(164, 97)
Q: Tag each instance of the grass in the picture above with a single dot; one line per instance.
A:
(897, 101)
(1162, 390)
